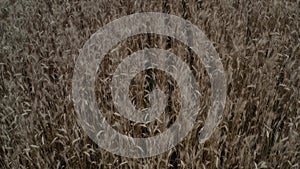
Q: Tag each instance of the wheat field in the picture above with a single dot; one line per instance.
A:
(258, 42)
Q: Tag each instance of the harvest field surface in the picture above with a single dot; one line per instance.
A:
(258, 42)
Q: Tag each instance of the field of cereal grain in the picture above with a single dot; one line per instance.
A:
(258, 42)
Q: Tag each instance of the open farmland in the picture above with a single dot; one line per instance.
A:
(258, 42)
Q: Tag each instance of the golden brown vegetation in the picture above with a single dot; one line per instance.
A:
(258, 42)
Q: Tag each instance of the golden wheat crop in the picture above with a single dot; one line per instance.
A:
(258, 42)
